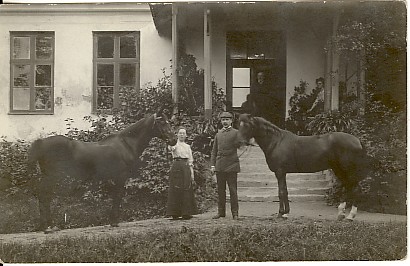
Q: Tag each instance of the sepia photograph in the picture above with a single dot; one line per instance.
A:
(203, 131)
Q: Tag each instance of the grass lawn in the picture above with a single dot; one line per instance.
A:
(198, 240)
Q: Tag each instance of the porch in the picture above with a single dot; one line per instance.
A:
(233, 42)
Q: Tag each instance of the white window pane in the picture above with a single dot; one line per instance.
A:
(241, 77)
(239, 96)
(21, 47)
(21, 99)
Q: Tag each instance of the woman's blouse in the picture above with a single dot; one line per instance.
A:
(182, 150)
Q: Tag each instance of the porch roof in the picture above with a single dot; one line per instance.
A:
(243, 15)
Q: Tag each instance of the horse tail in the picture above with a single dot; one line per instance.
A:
(34, 154)
(367, 162)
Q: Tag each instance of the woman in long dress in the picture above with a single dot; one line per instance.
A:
(181, 201)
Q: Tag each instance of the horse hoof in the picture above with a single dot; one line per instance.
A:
(340, 217)
(50, 230)
(283, 216)
(350, 219)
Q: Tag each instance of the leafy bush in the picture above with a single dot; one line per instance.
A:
(381, 131)
(300, 103)
(330, 122)
(148, 184)
(384, 189)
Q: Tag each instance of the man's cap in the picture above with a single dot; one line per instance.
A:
(225, 115)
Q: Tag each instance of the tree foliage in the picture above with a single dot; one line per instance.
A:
(149, 183)
(375, 34)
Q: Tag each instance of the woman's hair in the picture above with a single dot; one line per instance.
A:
(320, 79)
(181, 127)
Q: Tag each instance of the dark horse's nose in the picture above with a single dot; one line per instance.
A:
(172, 141)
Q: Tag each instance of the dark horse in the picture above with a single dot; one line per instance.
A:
(286, 152)
(111, 160)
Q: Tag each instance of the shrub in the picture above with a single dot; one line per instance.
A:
(381, 131)
(148, 184)
(384, 189)
(300, 103)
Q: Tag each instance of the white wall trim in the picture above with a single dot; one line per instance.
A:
(41, 9)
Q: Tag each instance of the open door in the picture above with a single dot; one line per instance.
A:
(247, 63)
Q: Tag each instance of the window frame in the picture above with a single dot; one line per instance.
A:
(32, 62)
(116, 61)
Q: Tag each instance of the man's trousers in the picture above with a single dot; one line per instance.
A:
(230, 178)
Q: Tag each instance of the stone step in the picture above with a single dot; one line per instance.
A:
(243, 175)
(247, 154)
(251, 182)
(253, 161)
(275, 198)
(257, 183)
(274, 190)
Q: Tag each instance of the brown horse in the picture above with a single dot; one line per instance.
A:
(111, 159)
(286, 152)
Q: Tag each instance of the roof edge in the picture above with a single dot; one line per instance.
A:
(73, 8)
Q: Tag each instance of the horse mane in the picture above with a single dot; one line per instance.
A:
(266, 126)
(136, 126)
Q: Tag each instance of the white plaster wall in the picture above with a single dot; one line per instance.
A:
(195, 46)
(73, 63)
(156, 54)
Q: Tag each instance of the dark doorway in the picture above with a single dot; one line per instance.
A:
(250, 53)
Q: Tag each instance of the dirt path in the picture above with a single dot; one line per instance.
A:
(256, 212)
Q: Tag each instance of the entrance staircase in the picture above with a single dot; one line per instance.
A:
(257, 183)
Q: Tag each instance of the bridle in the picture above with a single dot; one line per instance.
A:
(162, 135)
(161, 132)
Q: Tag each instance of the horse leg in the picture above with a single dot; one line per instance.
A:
(341, 214)
(283, 195)
(45, 196)
(45, 212)
(117, 194)
(353, 197)
(341, 211)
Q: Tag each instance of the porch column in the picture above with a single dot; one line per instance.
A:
(175, 55)
(332, 70)
(361, 81)
(207, 64)
(328, 79)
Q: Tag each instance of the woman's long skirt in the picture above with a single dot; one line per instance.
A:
(181, 201)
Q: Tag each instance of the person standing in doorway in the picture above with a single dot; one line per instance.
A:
(261, 86)
(319, 93)
(181, 200)
(225, 163)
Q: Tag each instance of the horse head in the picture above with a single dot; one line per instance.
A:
(246, 127)
(163, 128)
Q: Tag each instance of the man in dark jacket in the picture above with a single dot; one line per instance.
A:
(225, 162)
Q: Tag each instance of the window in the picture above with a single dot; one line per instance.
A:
(32, 77)
(116, 68)
(241, 84)
(254, 45)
